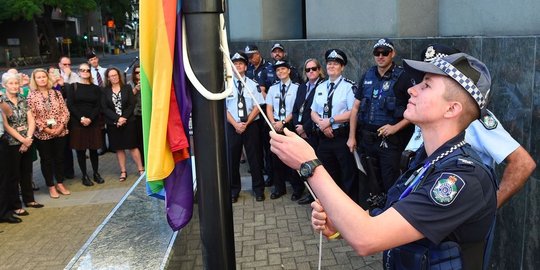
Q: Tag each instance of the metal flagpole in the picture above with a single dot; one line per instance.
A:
(214, 198)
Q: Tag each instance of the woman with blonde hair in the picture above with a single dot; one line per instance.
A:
(51, 116)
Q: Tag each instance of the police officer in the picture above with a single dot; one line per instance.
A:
(262, 72)
(277, 52)
(331, 111)
(313, 74)
(438, 213)
(243, 131)
(279, 106)
(382, 131)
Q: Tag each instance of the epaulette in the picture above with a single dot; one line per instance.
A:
(295, 83)
(488, 120)
(349, 81)
(276, 82)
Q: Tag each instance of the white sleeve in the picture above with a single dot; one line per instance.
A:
(492, 145)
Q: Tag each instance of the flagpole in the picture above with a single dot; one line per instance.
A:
(214, 198)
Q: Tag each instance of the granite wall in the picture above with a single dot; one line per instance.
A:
(514, 63)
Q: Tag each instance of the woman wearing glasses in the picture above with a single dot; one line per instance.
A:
(137, 112)
(83, 101)
(118, 103)
(51, 116)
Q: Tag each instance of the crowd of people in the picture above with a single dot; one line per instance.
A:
(431, 204)
(51, 113)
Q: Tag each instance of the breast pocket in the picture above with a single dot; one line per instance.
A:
(390, 103)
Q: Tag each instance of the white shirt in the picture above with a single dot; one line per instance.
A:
(342, 99)
(231, 102)
(274, 95)
(94, 75)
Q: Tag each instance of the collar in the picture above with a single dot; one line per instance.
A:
(388, 74)
(422, 156)
(287, 82)
(336, 80)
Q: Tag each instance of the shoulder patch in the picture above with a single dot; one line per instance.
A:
(349, 81)
(446, 189)
(488, 121)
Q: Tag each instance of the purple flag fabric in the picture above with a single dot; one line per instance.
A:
(179, 185)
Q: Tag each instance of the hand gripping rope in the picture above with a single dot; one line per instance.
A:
(229, 69)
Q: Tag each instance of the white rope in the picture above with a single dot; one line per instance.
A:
(191, 75)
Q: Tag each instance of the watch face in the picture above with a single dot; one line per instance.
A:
(305, 170)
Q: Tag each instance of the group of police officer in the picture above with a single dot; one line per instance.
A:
(338, 118)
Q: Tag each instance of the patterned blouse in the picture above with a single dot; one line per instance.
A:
(19, 119)
(50, 109)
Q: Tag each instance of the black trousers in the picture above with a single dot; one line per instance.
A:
(339, 162)
(68, 157)
(8, 188)
(264, 131)
(21, 174)
(250, 139)
(51, 155)
(388, 158)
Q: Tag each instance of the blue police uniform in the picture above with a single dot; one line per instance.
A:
(383, 99)
(239, 105)
(453, 202)
(282, 106)
(333, 152)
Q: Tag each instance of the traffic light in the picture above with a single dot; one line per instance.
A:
(85, 36)
(122, 36)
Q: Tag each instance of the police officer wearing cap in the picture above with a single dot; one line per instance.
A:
(279, 106)
(439, 212)
(377, 118)
(262, 72)
(277, 52)
(243, 131)
(331, 111)
(313, 74)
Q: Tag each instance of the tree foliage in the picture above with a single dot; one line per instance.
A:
(31, 9)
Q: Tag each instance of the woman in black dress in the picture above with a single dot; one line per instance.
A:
(83, 101)
(117, 103)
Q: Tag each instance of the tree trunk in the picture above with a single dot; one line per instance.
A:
(44, 21)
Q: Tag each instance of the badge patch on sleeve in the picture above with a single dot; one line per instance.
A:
(446, 189)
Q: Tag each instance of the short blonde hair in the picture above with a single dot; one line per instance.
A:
(33, 85)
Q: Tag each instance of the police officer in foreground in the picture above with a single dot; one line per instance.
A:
(439, 212)
(489, 138)
(243, 131)
(330, 111)
(277, 52)
(377, 120)
(262, 72)
(279, 106)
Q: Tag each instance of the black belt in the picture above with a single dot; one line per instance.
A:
(342, 131)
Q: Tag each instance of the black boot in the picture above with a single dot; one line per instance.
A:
(86, 180)
(98, 179)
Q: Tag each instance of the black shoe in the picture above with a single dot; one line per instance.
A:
(306, 199)
(276, 195)
(34, 205)
(21, 212)
(86, 181)
(234, 199)
(11, 219)
(259, 198)
(296, 196)
(98, 179)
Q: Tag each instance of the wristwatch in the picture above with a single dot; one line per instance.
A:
(307, 168)
(283, 122)
(332, 120)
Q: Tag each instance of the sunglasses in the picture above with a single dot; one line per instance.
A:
(84, 70)
(384, 53)
(137, 72)
(311, 69)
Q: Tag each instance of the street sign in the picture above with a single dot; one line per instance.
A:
(67, 41)
(128, 41)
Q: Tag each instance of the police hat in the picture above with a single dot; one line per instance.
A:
(437, 51)
(251, 49)
(469, 72)
(240, 56)
(384, 43)
(90, 55)
(336, 55)
(277, 46)
(281, 63)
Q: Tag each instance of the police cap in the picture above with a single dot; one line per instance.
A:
(469, 72)
(336, 55)
(251, 49)
(281, 63)
(240, 56)
(277, 46)
(384, 43)
(90, 55)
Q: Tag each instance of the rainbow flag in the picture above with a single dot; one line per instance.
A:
(166, 106)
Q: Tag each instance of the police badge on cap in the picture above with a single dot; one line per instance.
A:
(281, 63)
(251, 49)
(384, 43)
(437, 51)
(336, 55)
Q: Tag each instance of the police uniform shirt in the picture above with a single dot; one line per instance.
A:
(456, 199)
(264, 75)
(342, 100)
(231, 102)
(274, 95)
(492, 145)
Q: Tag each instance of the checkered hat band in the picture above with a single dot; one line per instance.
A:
(438, 55)
(463, 80)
